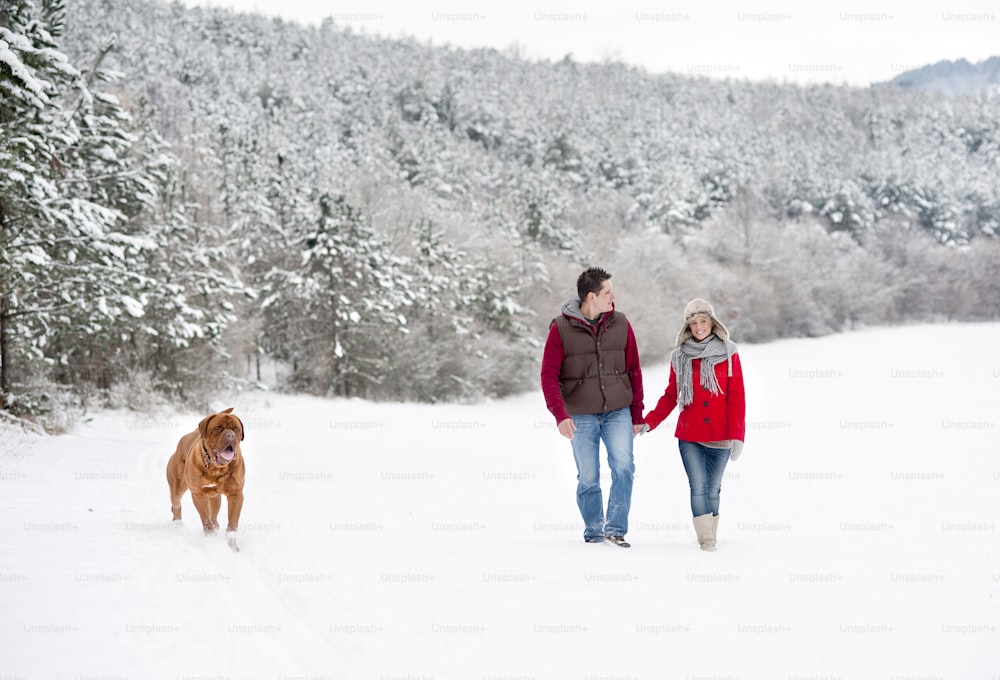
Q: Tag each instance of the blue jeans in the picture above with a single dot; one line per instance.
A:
(615, 428)
(705, 467)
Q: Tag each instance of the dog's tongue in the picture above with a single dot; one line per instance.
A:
(227, 454)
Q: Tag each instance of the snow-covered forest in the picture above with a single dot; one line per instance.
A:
(192, 199)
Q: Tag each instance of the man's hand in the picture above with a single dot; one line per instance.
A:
(567, 427)
(639, 429)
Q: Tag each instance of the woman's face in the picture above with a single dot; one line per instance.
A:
(701, 327)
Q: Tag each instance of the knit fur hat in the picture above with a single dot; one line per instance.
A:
(693, 309)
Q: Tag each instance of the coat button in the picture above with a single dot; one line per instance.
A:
(705, 404)
(707, 419)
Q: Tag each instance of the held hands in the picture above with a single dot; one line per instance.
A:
(736, 449)
(568, 427)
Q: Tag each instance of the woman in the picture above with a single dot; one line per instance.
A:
(706, 382)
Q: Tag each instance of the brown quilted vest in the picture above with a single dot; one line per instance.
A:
(594, 378)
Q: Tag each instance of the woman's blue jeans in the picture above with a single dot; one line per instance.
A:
(705, 467)
(615, 428)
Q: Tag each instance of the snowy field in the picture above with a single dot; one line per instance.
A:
(859, 537)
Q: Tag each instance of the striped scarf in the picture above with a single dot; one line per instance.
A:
(711, 351)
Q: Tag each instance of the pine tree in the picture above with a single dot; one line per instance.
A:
(466, 331)
(342, 305)
(38, 235)
(75, 248)
(198, 284)
(432, 360)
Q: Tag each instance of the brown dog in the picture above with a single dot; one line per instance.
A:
(209, 462)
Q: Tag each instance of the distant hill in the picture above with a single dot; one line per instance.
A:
(803, 210)
(192, 198)
(954, 78)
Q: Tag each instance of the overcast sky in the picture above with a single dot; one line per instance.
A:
(856, 42)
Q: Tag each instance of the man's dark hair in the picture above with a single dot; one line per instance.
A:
(591, 281)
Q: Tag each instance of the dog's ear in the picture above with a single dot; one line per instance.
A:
(228, 410)
(203, 426)
(242, 430)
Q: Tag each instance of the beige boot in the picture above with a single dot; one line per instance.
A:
(704, 526)
(715, 527)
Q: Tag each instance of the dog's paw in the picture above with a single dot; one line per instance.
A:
(231, 541)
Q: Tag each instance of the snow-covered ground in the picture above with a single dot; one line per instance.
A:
(859, 537)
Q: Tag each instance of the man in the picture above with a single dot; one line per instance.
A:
(593, 387)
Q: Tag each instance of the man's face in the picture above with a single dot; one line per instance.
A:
(604, 301)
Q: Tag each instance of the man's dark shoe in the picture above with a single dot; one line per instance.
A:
(618, 540)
